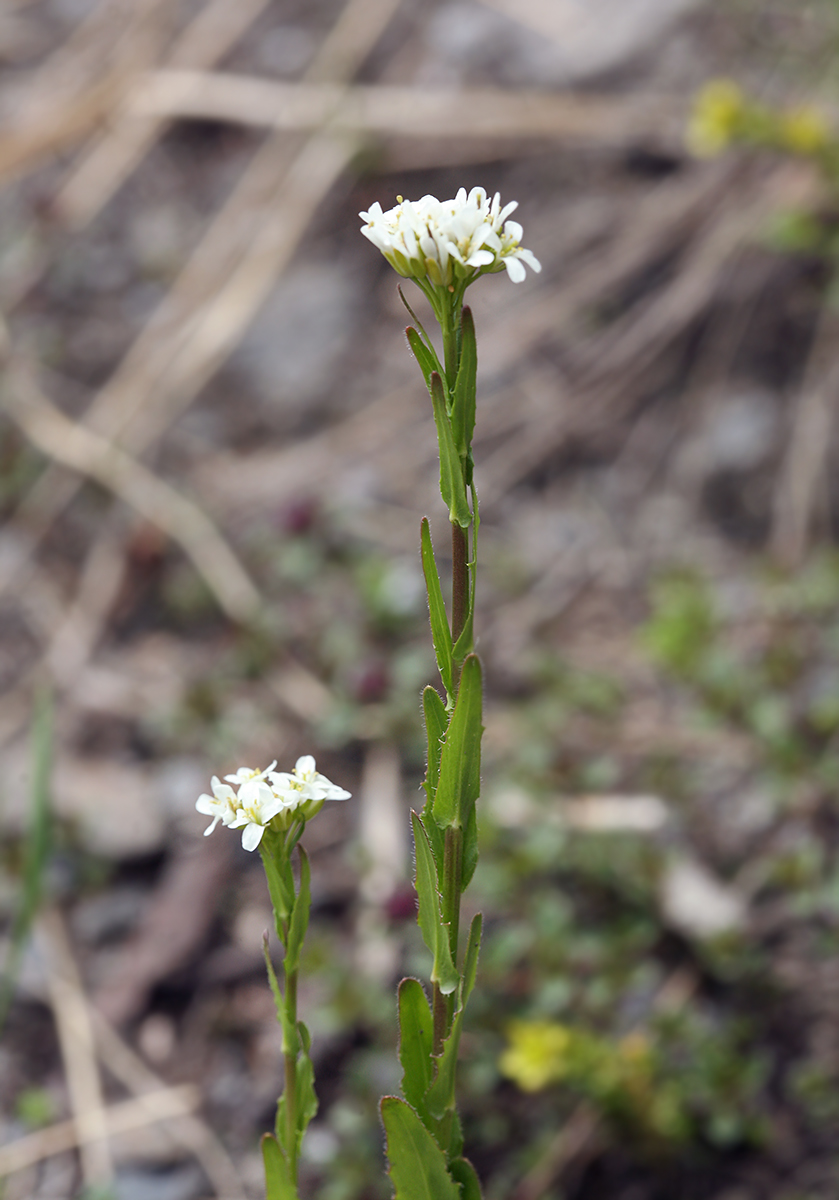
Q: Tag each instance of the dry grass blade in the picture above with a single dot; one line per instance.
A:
(189, 1131)
(408, 112)
(113, 157)
(71, 93)
(73, 640)
(227, 278)
(165, 1104)
(75, 1035)
(94, 457)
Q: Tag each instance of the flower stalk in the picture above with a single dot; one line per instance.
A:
(272, 809)
(444, 246)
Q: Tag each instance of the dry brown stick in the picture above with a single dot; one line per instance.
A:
(408, 112)
(224, 282)
(164, 1104)
(70, 93)
(75, 1036)
(73, 639)
(803, 467)
(188, 1131)
(94, 457)
(113, 157)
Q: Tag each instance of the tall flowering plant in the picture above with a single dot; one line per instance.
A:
(444, 246)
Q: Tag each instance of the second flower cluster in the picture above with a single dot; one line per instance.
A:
(250, 800)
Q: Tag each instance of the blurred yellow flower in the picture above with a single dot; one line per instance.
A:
(804, 130)
(536, 1054)
(717, 113)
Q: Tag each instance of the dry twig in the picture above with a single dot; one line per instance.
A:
(94, 457)
(75, 1036)
(406, 112)
(165, 1104)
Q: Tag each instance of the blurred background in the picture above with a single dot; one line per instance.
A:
(215, 450)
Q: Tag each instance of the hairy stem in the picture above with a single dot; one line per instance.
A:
(440, 1013)
(460, 580)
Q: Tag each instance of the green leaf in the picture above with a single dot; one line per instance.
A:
(440, 632)
(463, 402)
(460, 761)
(426, 357)
(440, 1097)
(300, 915)
(307, 1100)
(279, 1002)
(416, 1042)
(470, 963)
(417, 1164)
(463, 1173)
(434, 931)
(436, 720)
(436, 839)
(426, 340)
(464, 644)
(469, 850)
(282, 899)
(278, 1184)
(452, 485)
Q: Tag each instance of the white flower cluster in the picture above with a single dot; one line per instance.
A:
(449, 241)
(264, 795)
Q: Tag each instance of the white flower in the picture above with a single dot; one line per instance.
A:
(450, 242)
(256, 811)
(222, 806)
(305, 783)
(249, 780)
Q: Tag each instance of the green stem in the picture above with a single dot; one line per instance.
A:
(290, 1056)
(450, 325)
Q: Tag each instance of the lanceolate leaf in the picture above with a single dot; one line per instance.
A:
(470, 964)
(469, 850)
(463, 1173)
(434, 932)
(436, 720)
(452, 485)
(460, 762)
(307, 1101)
(416, 1040)
(289, 1036)
(426, 358)
(440, 632)
(282, 898)
(463, 405)
(278, 1185)
(417, 1164)
(464, 644)
(441, 1093)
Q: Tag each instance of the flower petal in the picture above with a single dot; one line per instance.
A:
(252, 835)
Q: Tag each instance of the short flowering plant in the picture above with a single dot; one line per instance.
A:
(272, 808)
